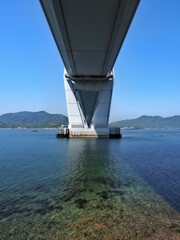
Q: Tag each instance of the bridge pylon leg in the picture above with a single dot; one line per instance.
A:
(88, 105)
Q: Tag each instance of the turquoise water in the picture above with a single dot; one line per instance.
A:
(125, 188)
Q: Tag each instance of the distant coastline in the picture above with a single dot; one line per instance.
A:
(42, 119)
(149, 122)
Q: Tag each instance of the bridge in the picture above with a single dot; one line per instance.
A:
(89, 35)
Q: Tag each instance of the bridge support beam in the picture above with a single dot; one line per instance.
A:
(88, 105)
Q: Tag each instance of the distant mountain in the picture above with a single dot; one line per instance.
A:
(3, 125)
(43, 119)
(150, 122)
(40, 119)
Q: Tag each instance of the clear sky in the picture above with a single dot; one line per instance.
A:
(147, 71)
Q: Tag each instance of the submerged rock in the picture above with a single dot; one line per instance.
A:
(104, 194)
(80, 202)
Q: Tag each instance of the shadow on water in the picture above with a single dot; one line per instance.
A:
(95, 164)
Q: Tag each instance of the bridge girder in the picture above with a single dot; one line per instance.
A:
(89, 33)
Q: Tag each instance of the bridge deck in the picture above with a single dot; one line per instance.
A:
(89, 33)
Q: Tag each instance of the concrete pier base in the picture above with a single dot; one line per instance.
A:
(79, 132)
(64, 132)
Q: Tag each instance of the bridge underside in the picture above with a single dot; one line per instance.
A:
(89, 35)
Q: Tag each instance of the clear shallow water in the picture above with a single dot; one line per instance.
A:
(89, 188)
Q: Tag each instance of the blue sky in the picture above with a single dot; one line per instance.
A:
(147, 71)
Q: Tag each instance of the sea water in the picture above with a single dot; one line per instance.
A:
(89, 188)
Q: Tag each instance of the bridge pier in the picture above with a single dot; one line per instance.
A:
(89, 36)
(88, 105)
